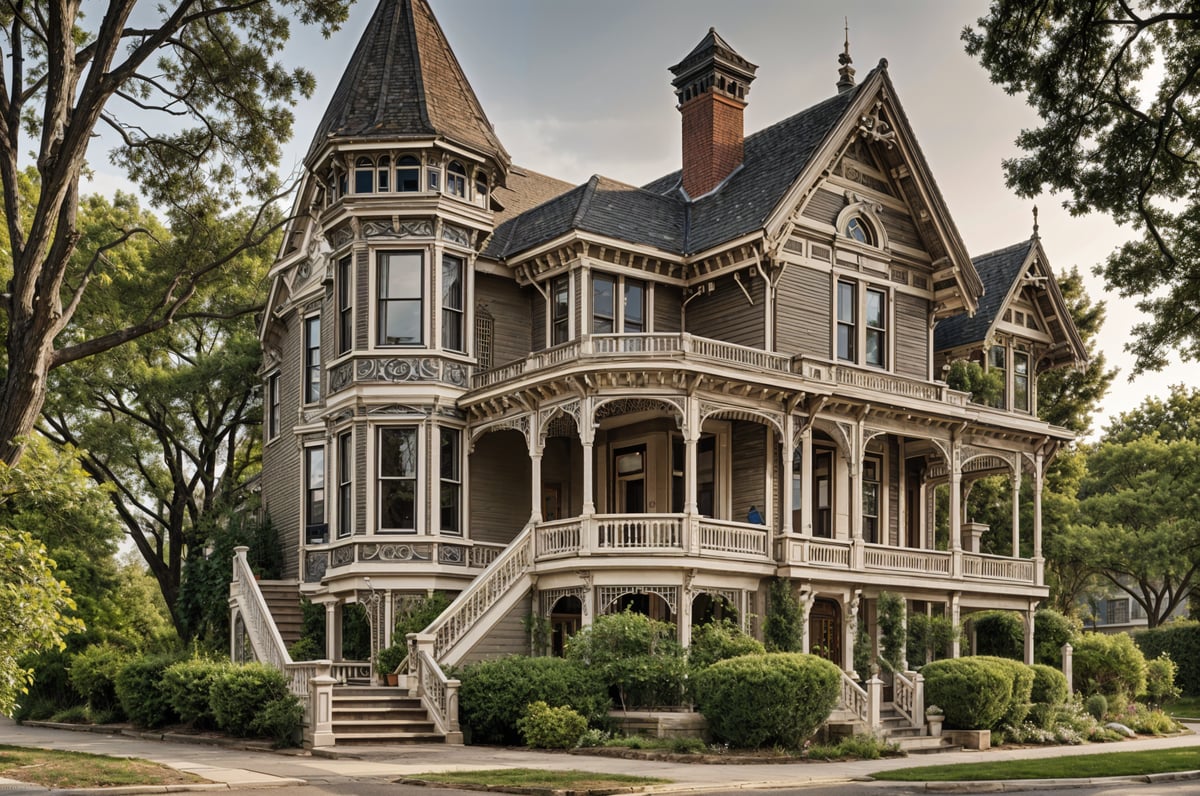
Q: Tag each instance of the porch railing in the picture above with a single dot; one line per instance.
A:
(908, 696)
(639, 532)
(854, 697)
(438, 693)
(650, 534)
(979, 565)
(848, 555)
(904, 559)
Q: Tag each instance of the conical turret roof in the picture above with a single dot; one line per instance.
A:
(403, 81)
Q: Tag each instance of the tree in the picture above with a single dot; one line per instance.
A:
(169, 421)
(197, 104)
(1117, 87)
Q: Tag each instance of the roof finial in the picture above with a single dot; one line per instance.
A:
(846, 81)
(1035, 223)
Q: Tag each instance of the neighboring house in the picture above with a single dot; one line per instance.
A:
(1121, 614)
(590, 389)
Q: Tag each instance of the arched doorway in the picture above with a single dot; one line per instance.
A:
(565, 618)
(825, 630)
(646, 603)
(708, 608)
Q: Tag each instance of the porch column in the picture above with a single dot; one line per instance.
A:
(806, 605)
(1027, 620)
(587, 438)
(1016, 508)
(806, 481)
(955, 617)
(856, 496)
(536, 444)
(955, 497)
(850, 630)
(691, 438)
(787, 477)
(1038, 562)
(333, 632)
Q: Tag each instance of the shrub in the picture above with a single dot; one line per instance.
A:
(1097, 706)
(417, 615)
(240, 694)
(773, 699)
(93, 673)
(388, 658)
(1109, 665)
(1049, 686)
(985, 386)
(1180, 640)
(78, 714)
(929, 638)
(781, 630)
(544, 727)
(306, 648)
(1160, 679)
(1050, 631)
(494, 693)
(635, 654)
(1000, 634)
(188, 686)
(719, 640)
(280, 720)
(139, 686)
(974, 693)
(859, 747)
(893, 641)
(1021, 678)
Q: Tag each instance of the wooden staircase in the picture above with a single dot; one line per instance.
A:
(380, 715)
(283, 599)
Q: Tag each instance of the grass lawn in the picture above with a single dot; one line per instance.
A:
(1105, 764)
(1184, 708)
(539, 778)
(77, 770)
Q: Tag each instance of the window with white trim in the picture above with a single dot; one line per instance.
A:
(396, 475)
(875, 350)
(383, 172)
(861, 313)
(618, 304)
(1020, 381)
(364, 176)
(312, 359)
(453, 289)
(456, 179)
(273, 406)
(998, 363)
(450, 498)
(400, 286)
(847, 321)
(345, 310)
(345, 484)
(870, 506)
(408, 174)
(314, 494)
(560, 309)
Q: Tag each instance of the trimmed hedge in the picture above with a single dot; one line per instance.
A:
(242, 697)
(718, 641)
(544, 727)
(1180, 640)
(1109, 665)
(1050, 631)
(93, 673)
(188, 687)
(1021, 678)
(777, 699)
(139, 686)
(1000, 634)
(1049, 686)
(494, 694)
(974, 692)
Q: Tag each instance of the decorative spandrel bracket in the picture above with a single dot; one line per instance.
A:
(873, 127)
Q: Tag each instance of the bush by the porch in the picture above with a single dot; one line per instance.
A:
(242, 698)
(188, 686)
(1109, 665)
(1020, 678)
(999, 633)
(140, 688)
(719, 640)
(494, 694)
(1049, 686)
(777, 699)
(1180, 640)
(93, 673)
(636, 655)
(974, 692)
(1050, 631)
(544, 727)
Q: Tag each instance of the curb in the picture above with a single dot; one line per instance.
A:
(1018, 785)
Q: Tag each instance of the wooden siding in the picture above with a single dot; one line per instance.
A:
(282, 466)
(362, 300)
(538, 310)
(748, 469)
(507, 636)
(900, 228)
(912, 336)
(725, 314)
(499, 499)
(361, 470)
(509, 306)
(668, 308)
(802, 313)
(893, 490)
(825, 206)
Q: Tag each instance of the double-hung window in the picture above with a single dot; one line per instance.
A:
(345, 484)
(618, 305)
(560, 309)
(312, 359)
(364, 176)
(397, 479)
(847, 321)
(875, 351)
(314, 494)
(870, 504)
(272, 406)
(862, 324)
(408, 174)
(456, 179)
(998, 363)
(1021, 381)
(452, 303)
(401, 278)
(345, 336)
(451, 481)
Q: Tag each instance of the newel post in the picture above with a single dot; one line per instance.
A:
(320, 706)
(918, 702)
(874, 702)
(1068, 666)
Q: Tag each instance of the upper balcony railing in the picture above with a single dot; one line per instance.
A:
(844, 554)
(651, 534)
(687, 347)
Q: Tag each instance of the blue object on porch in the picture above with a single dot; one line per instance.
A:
(755, 517)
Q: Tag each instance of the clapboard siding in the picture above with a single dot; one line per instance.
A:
(749, 441)
(725, 314)
(802, 313)
(362, 300)
(508, 636)
(360, 477)
(900, 228)
(912, 336)
(893, 491)
(500, 494)
(538, 310)
(825, 206)
(509, 307)
(282, 463)
(668, 309)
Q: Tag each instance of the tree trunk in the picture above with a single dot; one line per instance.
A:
(22, 392)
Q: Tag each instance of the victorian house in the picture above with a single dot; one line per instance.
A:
(559, 401)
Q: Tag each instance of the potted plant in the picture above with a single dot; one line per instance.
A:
(388, 659)
(934, 718)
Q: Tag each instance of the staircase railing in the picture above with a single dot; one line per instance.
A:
(864, 703)
(908, 696)
(438, 693)
(483, 593)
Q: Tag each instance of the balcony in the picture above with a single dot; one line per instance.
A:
(650, 535)
(395, 552)
(843, 554)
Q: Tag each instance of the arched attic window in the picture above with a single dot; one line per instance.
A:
(859, 221)
(456, 179)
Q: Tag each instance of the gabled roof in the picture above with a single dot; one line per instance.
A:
(998, 270)
(403, 81)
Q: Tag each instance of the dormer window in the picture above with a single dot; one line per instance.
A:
(364, 176)
(858, 229)
(456, 179)
(408, 174)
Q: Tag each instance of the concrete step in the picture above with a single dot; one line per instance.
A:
(380, 715)
(363, 738)
(926, 745)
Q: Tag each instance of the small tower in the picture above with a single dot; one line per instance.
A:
(711, 83)
(846, 72)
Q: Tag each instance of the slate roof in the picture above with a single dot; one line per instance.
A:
(403, 81)
(998, 270)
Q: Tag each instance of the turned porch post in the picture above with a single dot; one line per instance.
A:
(786, 491)
(1038, 482)
(587, 438)
(1016, 508)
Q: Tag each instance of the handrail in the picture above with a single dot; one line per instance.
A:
(854, 697)
(903, 692)
(483, 592)
(438, 693)
(264, 635)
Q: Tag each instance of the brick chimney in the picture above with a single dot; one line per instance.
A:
(711, 83)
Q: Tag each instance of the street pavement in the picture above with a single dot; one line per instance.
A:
(241, 768)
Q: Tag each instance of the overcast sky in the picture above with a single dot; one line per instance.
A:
(581, 87)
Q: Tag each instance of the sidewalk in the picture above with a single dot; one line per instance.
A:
(244, 768)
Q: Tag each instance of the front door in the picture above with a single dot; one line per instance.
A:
(629, 465)
(825, 630)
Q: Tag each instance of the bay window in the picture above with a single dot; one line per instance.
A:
(450, 498)
(618, 305)
(397, 479)
(401, 279)
(452, 303)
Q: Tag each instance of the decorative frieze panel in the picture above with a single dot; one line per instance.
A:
(550, 597)
(342, 555)
(456, 235)
(398, 370)
(628, 406)
(456, 555)
(315, 564)
(395, 552)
